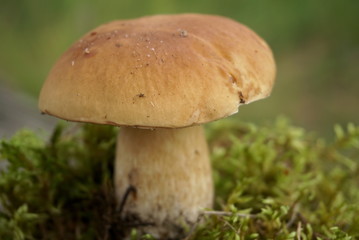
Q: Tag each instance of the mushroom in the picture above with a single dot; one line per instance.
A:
(160, 78)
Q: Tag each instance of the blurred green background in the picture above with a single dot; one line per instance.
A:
(315, 42)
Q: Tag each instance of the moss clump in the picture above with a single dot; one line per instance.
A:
(272, 182)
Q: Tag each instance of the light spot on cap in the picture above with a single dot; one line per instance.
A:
(182, 33)
(194, 117)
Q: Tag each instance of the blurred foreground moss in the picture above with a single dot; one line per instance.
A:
(272, 182)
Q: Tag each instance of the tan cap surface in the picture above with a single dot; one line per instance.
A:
(159, 71)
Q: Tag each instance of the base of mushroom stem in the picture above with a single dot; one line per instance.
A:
(169, 176)
(167, 230)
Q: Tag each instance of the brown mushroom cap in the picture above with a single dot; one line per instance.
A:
(159, 71)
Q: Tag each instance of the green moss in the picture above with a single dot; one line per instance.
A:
(272, 182)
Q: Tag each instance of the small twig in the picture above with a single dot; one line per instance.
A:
(130, 189)
(230, 226)
(292, 219)
(293, 216)
(216, 213)
(223, 213)
(299, 230)
(194, 226)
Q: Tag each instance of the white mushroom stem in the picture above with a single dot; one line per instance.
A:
(163, 178)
